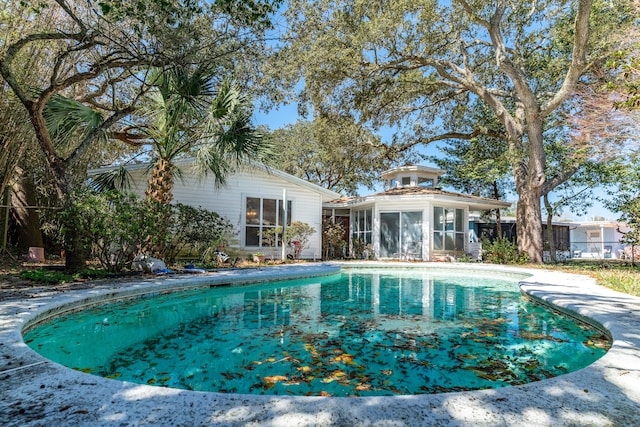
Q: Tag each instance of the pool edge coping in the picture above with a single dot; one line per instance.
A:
(508, 406)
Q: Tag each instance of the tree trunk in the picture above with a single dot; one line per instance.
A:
(529, 174)
(160, 186)
(75, 251)
(496, 195)
(26, 217)
(529, 229)
(160, 190)
(550, 238)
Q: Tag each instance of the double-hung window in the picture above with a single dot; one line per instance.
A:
(262, 214)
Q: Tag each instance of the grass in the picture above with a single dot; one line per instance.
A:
(47, 276)
(619, 276)
(51, 276)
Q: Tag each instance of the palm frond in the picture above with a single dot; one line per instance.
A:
(69, 120)
(228, 100)
(112, 180)
(242, 141)
(209, 160)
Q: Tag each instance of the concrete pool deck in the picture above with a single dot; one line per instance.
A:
(38, 392)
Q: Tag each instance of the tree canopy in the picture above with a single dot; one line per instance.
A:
(333, 152)
(99, 54)
(417, 65)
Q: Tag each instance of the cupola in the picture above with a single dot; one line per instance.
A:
(412, 176)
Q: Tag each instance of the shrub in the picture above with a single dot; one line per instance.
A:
(196, 230)
(271, 238)
(298, 234)
(361, 250)
(502, 251)
(115, 226)
(332, 241)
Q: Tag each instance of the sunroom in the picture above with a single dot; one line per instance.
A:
(413, 219)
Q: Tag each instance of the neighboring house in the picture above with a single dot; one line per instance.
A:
(252, 200)
(589, 239)
(598, 239)
(412, 219)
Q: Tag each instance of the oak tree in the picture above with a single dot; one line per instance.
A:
(409, 64)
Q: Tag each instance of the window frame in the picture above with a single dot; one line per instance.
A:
(265, 220)
(362, 218)
(447, 235)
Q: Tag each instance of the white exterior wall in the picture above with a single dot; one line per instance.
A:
(408, 205)
(229, 201)
(606, 246)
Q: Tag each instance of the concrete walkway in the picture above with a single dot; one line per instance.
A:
(38, 392)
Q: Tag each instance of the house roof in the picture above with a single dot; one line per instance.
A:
(412, 193)
(598, 224)
(326, 194)
(413, 168)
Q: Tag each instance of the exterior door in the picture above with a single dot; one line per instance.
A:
(390, 235)
(401, 235)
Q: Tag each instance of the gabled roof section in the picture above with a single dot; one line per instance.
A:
(404, 193)
(186, 162)
(294, 179)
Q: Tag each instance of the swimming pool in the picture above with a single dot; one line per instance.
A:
(360, 333)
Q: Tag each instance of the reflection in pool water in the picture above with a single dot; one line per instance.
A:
(363, 332)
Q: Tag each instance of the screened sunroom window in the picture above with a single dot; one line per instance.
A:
(448, 229)
(362, 225)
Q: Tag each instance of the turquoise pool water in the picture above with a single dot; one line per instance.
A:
(359, 333)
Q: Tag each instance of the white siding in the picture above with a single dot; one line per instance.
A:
(229, 200)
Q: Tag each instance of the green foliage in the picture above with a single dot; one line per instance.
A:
(195, 230)
(271, 238)
(361, 250)
(298, 235)
(334, 152)
(629, 208)
(114, 227)
(187, 114)
(627, 201)
(422, 68)
(502, 251)
(620, 73)
(332, 238)
(50, 277)
(479, 165)
(465, 258)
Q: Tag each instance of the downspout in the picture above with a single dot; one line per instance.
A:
(284, 224)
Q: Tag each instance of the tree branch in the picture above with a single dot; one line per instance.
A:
(449, 135)
(578, 58)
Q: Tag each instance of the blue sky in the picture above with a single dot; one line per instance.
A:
(288, 114)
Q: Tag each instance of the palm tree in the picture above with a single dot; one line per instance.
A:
(186, 116)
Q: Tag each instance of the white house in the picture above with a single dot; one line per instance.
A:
(598, 239)
(252, 200)
(413, 218)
